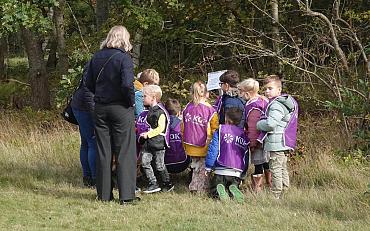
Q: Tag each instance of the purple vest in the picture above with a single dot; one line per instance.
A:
(218, 104)
(259, 104)
(141, 124)
(290, 131)
(233, 146)
(196, 119)
(175, 154)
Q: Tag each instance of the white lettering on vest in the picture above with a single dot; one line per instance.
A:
(141, 119)
(175, 137)
(196, 119)
(240, 141)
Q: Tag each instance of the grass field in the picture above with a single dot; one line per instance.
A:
(41, 188)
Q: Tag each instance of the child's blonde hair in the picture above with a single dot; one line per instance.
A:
(249, 85)
(153, 90)
(198, 91)
(150, 76)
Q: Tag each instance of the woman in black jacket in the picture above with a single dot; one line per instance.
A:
(83, 108)
(110, 77)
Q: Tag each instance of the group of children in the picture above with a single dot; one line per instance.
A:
(216, 140)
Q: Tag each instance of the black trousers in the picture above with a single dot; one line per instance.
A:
(224, 180)
(115, 131)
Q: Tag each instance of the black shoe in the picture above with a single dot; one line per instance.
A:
(92, 182)
(152, 188)
(168, 187)
(130, 201)
(111, 198)
(86, 180)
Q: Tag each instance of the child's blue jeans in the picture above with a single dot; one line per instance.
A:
(88, 142)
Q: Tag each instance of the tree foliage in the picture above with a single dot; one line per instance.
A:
(323, 47)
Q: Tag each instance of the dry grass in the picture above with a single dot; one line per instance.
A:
(41, 189)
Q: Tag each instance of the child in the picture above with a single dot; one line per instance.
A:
(175, 158)
(147, 77)
(155, 141)
(200, 120)
(280, 129)
(254, 109)
(230, 97)
(228, 157)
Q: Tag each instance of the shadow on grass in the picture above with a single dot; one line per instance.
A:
(45, 180)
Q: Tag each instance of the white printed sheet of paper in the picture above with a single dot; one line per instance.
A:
(213, 81)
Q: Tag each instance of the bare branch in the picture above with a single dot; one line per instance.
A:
(335, 42)
(78, 27)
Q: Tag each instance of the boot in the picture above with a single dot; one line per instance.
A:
(257, 180)
(253, 183)
(268, 178)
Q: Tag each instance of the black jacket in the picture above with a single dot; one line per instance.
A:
(116, 82)
(83, 98)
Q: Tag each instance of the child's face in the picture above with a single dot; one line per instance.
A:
(244, 94)
(272, 90)
(224, 86)
(149, 99)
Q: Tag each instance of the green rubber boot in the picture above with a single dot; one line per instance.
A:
(238, 196)
(222, 194)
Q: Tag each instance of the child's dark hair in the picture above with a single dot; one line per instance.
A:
(273, 78)
(230, 77)
(173, 106)
(233, 115)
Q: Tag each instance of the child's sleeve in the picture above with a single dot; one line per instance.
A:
(212, 152)
(214, 123)
(252, 132)
(275, 116)
(158, 130)
(139, 104)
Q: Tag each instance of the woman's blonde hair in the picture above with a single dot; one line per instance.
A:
(249, 85)
(153, 90)
(198, 91)
(118, 37)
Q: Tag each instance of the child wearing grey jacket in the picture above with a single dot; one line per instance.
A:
(279, 132)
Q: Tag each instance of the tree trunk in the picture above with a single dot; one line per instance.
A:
(52, 57)
(102, 13)
(40, 94)
(3, 52)
(275, 31)
(62, 64)
(136, 50)
(275, 26)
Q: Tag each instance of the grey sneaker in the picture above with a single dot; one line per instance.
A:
(168, 187)
(152, 188)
